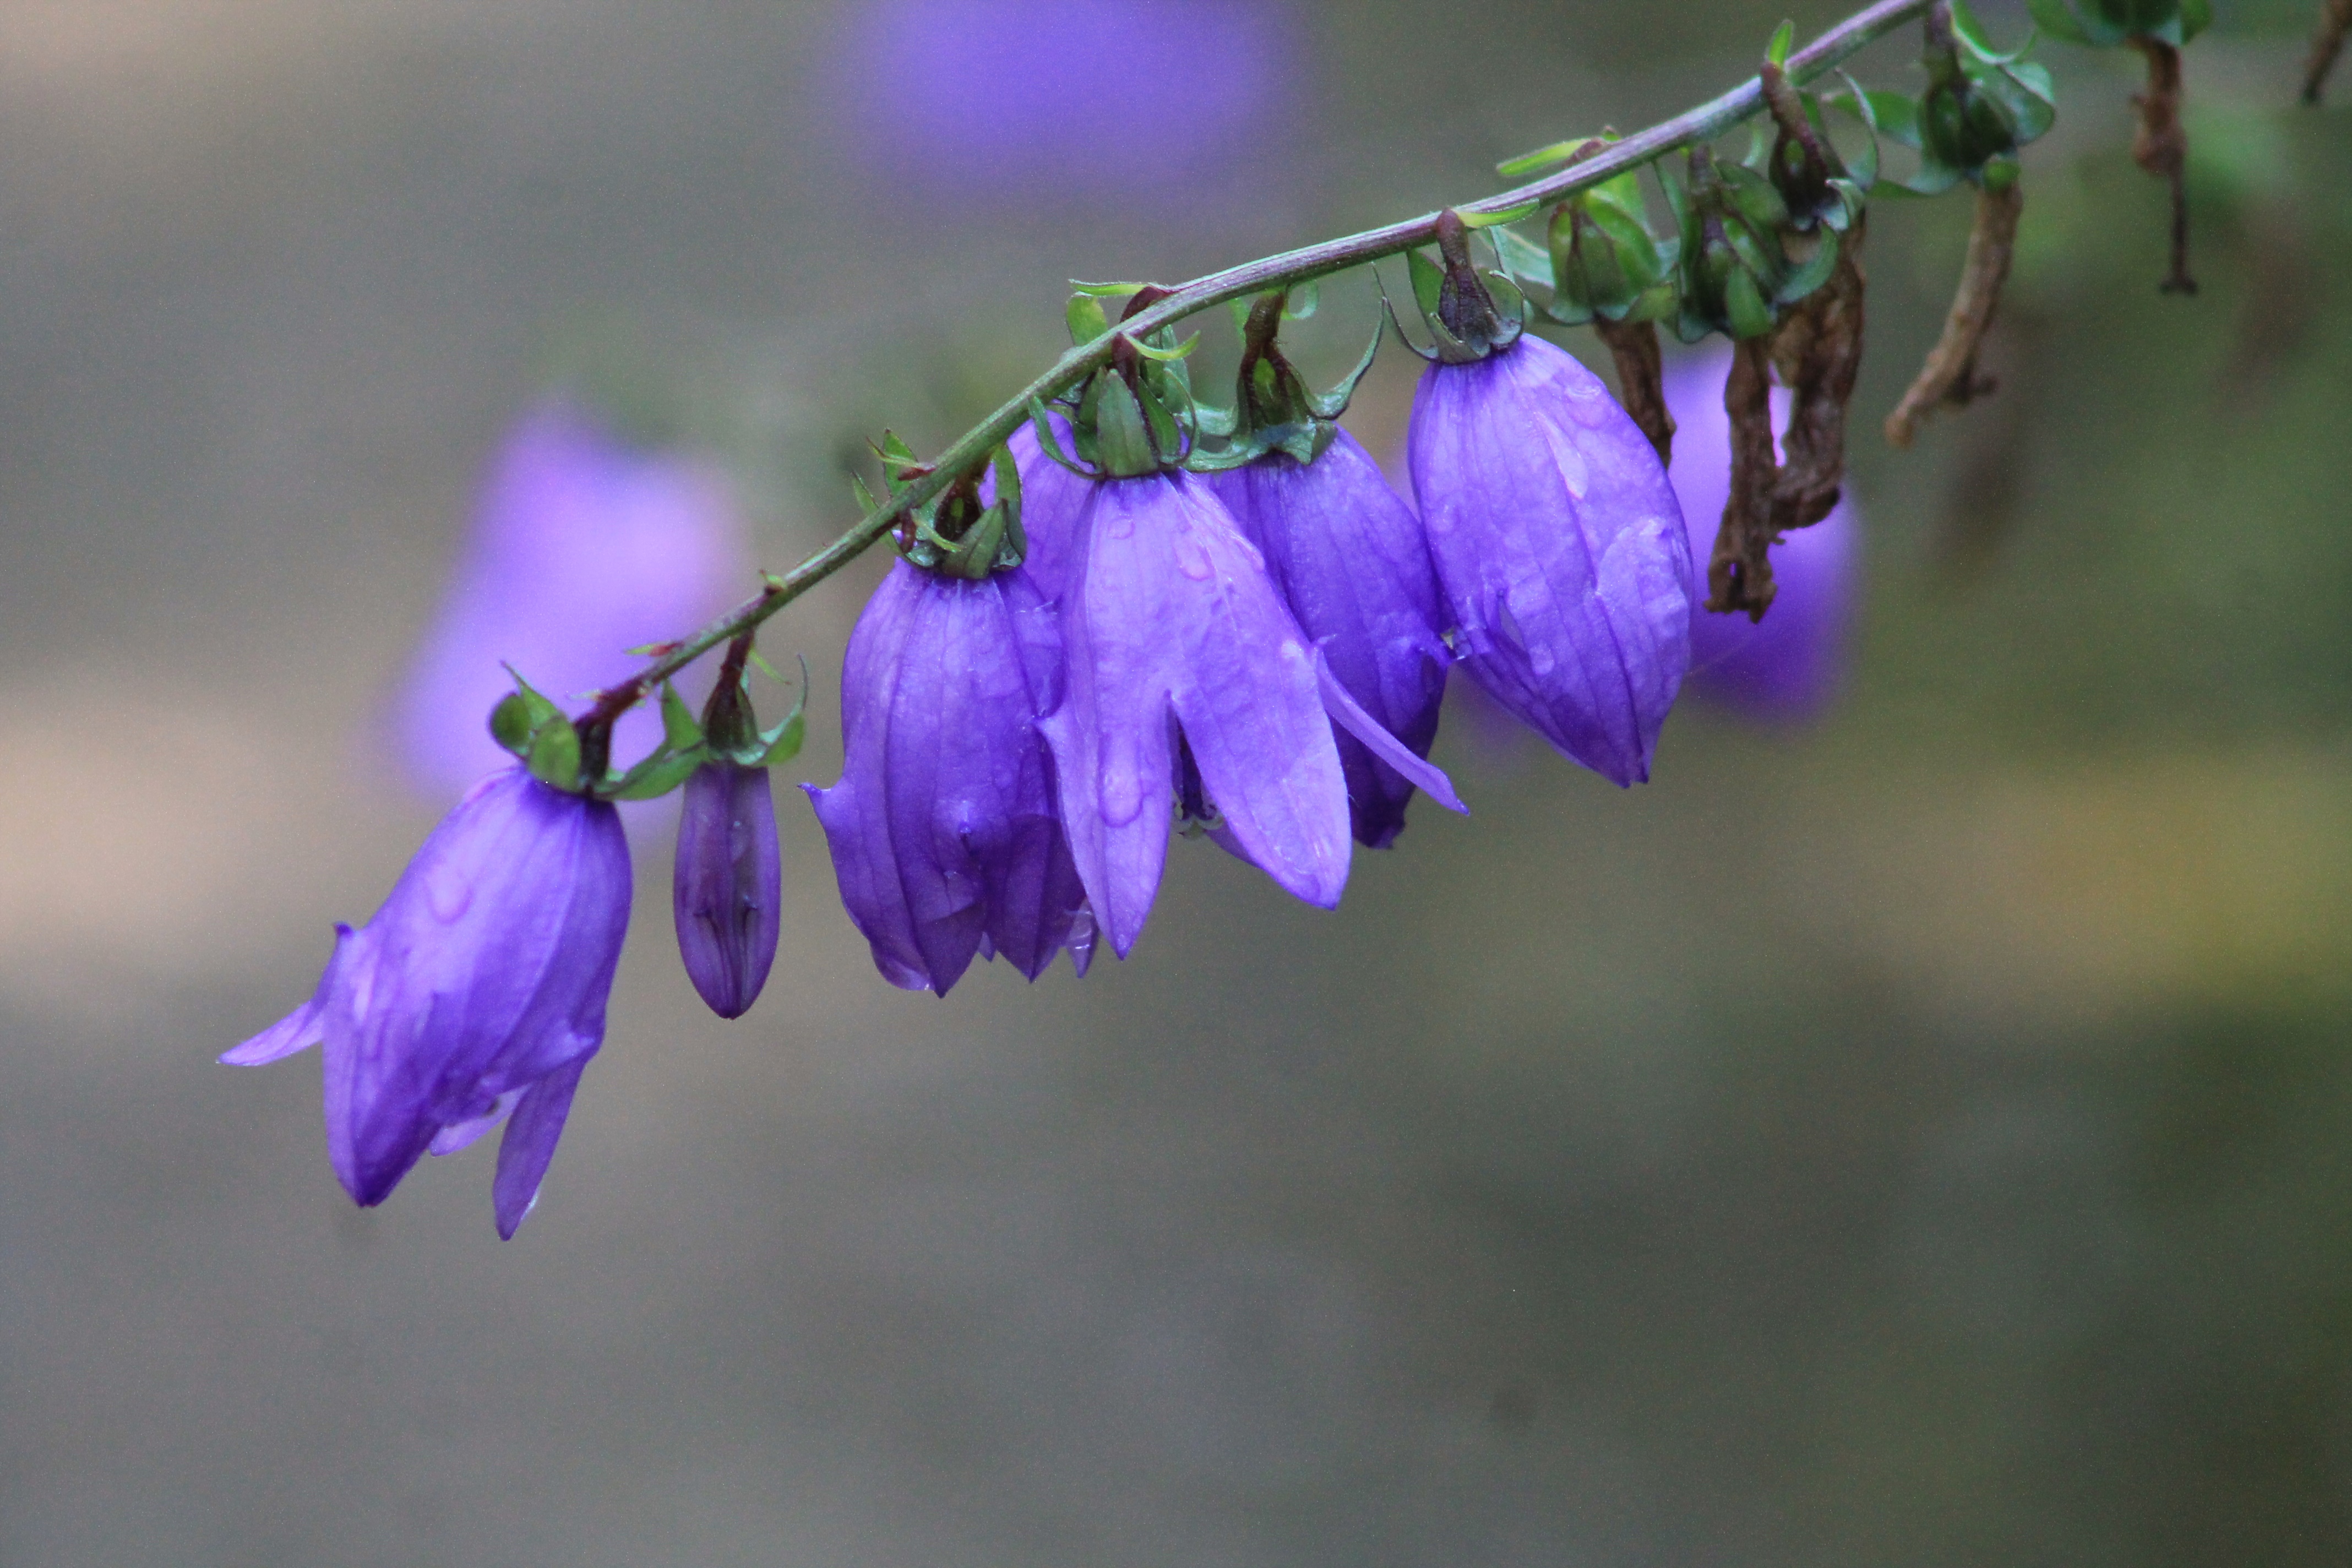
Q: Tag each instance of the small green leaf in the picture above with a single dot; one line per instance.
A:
(555, 754)
(1744, 305)
(1049, 443)
(657, 776)
(1107, 291)
(1777, 51)
(679, 728)
(1167, 356)
(2057, 19)
(1334, 402)
(859, 492)
(1541, 158)
(1085, 315)
(1489, 220)
(510, 722)
(1428, 282)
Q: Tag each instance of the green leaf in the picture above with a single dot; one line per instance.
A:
(1744, 305)
(511, 724)
(1334, 402)
(679, 728)
(1108, 290)
(1428, 282)
(1543, 157)
(655, 776)
(1815, 272)
(555, 754)
(1085, 315)
(1489, 220)
(1777, 51)
(1521, 256)
(1049, 443)
(783, 743)
(1167, 356)
(2057, 19)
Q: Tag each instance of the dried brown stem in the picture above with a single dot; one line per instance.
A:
(2327, 43)
(1818, 350)
(1641, 379)
(1949, 374)
(2161, 147)
(1739, 572)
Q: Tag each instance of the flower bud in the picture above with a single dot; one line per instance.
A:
(727, 884)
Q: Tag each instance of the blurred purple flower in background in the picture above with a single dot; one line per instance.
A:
(477, 993)
(582, 547)
(1789, 666)
(1106, 97)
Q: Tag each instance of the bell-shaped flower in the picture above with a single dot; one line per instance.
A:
(1560, 547)
(1788, 665)
(1350, 562)
(1176, 637)
(582, 547)
(945, 828)
(727, 885)
(474, 994)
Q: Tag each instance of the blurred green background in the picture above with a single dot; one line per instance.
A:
(1922, 1139)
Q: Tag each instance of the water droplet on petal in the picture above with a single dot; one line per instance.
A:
(448, 892)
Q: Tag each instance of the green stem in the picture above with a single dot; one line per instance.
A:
(1292, 267)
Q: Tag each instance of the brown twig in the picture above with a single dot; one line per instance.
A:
(1641, 379)
(1739, 572)
(2327, 43)
(2161, 147)
(1949, 374)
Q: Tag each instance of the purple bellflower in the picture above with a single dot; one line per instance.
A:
(1350, 562)
(1177, 640)
(1562, 548)
(979, 92)
(477, 992)
(727, 885)
(945, 827)
(1788, 665)
(582, 547)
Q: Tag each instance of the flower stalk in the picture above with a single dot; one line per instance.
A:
(1279, 272)
(1949, 374)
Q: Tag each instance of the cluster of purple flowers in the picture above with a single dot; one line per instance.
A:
(1251, 643)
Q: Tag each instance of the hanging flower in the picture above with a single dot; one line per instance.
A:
(582, 547)
(1788, 665)
(945, 827)
(1560, 547)
(1350, 562)
(476, 995)
(1175, 635)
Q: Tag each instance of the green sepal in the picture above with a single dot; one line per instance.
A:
(1108, 290)
(1777, 51)
(782, 742)
(1167, 356)
(1122, 437)
(554, 757)
(1334, 402)
(1428, 282)
(2058, 18)
(654, 777)
(680, 728)
(1051, 444)
(1085, 316)
(1897, 115)
(1815, 271)
(519, 714)
(1490, 220)
(1543, 157)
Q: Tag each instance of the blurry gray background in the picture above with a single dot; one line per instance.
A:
(1926, 1139)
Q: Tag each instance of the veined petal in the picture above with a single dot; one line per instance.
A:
(530, 1144)
(1560, 547)
(1350, 561)
(727, 885)
(1367, 733)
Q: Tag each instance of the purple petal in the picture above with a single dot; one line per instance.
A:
(1053, 498)
(1786, 667)
(1562, 548)
(945, 826)
(1350, 560)
(299, 1030)
(1367, 733)
(1174, 613)
(727, 885)
(529, 1143)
